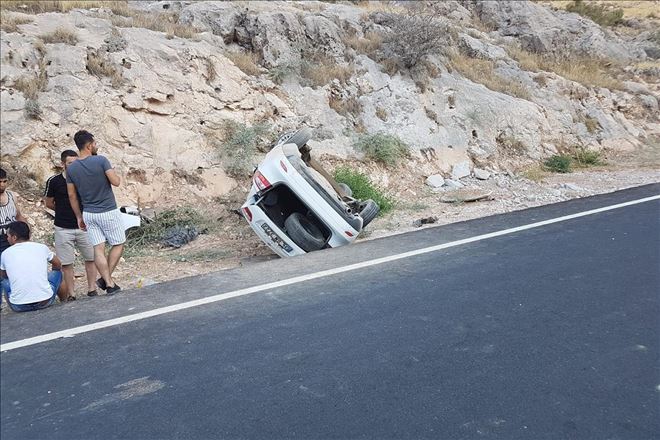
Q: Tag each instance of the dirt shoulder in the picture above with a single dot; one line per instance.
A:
(231, 243)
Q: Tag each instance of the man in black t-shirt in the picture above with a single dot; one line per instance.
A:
(67, 234)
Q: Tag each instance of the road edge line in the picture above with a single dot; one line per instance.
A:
(308, 277)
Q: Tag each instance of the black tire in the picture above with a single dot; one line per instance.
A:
(304, 233)
(300, 137)
(368, 211)
(348, 192)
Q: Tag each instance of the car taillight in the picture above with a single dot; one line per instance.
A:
(261, 181)
(348, 233)
(247, 214)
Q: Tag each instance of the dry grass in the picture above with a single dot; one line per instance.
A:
(321, 72)
(367, 45)
(166, 22)
(248, 62)
(592, 124)
(536, 173)
(103, 67)
(32, 85)
(631, 8)
(587, 71)
(61, 35)
(10, 23)
(345, 107)
(41, 6)
(381, 113)
(381, 6)
(211, 73)
(483, 72)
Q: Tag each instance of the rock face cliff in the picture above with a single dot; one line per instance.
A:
(501, 83)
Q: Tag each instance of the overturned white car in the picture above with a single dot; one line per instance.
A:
(296, 207)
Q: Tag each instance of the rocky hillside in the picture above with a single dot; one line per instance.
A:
(179, 93)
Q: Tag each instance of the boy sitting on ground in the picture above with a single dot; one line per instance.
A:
(25, 263)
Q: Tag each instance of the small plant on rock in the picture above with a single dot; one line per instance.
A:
(363, 188)
(239, 146)
(559, 163)
(61, 35)
(10, 24)
(384, 148)
(414, 36)
(586, 158)
(600, 14)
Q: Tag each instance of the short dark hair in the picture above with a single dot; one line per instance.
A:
(19, 229)
(3, 174)
(82, 138)
(68, 153)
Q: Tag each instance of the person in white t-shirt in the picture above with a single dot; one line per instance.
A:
(25, 263)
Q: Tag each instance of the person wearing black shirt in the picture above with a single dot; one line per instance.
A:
(68, 236)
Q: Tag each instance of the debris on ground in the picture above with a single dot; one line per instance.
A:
(465, 195)
(425, 221)
(177, 236)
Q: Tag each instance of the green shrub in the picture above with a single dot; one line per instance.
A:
(239, 145)
(559, 163)
(585, 158)
(363, 188)
(600, 14)
(384, 148)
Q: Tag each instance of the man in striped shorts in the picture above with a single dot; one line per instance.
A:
(92, 177)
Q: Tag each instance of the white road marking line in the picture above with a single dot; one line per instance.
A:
(325, 273)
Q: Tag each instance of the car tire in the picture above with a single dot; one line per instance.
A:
(348, 192)
(300, 137)
(303, 232)
(368, 211)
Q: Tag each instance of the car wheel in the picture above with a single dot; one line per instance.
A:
(368, 211)
(300, 137)
(347, 191)
(303, 232)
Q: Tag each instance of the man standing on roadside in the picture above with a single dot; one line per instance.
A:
(68, 236)
(91, 176)
(9, 211)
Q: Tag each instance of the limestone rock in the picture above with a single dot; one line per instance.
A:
(481, 174)
(435, 181)
(460, 170)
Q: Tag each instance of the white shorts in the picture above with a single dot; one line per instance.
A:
(66, 240)
(105, 226)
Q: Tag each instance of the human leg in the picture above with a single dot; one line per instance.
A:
(87, 253)
(58, 285)
(114, 256)
(68, 278)
(102, 264)
(90, 272)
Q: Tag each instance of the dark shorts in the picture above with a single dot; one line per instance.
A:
(54, 278)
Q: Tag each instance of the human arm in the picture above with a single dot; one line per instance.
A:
(49, 194)
(110, 173)
(19, 216)
(75, 205)
(56, 263)
(113, 177)
(49, 202)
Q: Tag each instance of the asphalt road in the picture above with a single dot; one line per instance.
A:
(552, 332)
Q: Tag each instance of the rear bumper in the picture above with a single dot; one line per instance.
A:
(270, 234)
